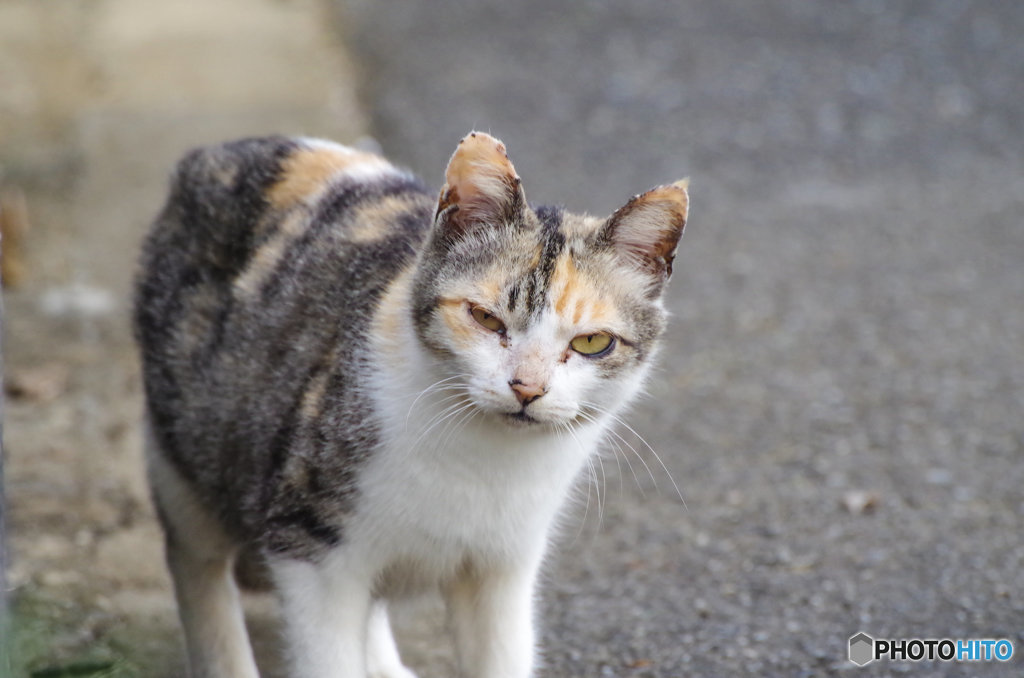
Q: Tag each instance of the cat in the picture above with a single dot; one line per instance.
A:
(381, 391)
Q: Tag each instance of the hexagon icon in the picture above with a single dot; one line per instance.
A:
(862, 649)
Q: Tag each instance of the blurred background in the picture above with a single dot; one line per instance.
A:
(840, 397)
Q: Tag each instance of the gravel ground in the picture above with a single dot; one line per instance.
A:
(841, 395)
(98, 100)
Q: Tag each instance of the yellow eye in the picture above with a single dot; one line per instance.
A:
(592, 344)
(487, 320)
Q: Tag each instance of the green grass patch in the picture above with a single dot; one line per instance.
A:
(50, 638)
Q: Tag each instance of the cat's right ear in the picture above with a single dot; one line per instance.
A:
(646, 230)
(481, 187)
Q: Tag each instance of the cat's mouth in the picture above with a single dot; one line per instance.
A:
(521, 418)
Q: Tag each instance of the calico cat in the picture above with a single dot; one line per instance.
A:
(381, 391)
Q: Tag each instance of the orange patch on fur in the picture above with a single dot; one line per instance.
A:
(535, 258)
(312, 399)
(577, 312)
(601, 312)
(566, 278)
(306, 172)
(590, 309)
(267, 257)
(490, 287)
(389, 318)
(374, 221)
(479, 173)
(391, 323)
(453, 312)
(380, 218)
(571, 289)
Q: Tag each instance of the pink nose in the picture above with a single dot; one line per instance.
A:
(526, 393)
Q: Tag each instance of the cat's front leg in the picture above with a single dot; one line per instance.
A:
(326, 611)
(382, 659)
(201, 556)
(492, 615)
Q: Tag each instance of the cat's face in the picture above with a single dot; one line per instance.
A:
(543, 317)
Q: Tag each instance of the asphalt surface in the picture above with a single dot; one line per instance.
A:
(841, 394)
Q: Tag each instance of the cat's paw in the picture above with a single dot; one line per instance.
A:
(396, 671)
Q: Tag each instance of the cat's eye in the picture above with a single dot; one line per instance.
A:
(487, 319)
(593, 345)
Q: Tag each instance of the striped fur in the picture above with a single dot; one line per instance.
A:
(297, 305)
(250, 333)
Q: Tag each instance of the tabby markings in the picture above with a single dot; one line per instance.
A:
(377, 220)
(265, 259)
(312, 399)
(389, 324)
(307, 175)
(569, 288)
(307, 172)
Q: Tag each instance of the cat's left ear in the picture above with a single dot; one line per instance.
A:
(481, 186)
(646, 230)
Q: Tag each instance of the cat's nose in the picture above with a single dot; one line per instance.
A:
(525, 392)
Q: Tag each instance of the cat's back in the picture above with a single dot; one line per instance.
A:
(258, 283)
(238, 209)
(262, 226)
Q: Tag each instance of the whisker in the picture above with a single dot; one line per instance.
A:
(603, 487)
(456, 424)
(445, 414)
(657, 457)
(613, 437)
(451, 424)
(619, 420)
(460, 395)
(619, 454)
(592, 481)
(650, 474)
(430, 388)
(566, 427)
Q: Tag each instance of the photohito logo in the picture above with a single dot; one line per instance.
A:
(864, 649)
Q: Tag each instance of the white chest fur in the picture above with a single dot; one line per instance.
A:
(451, 482)
(449, 487)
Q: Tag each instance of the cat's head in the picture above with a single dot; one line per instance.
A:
(545, 316)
